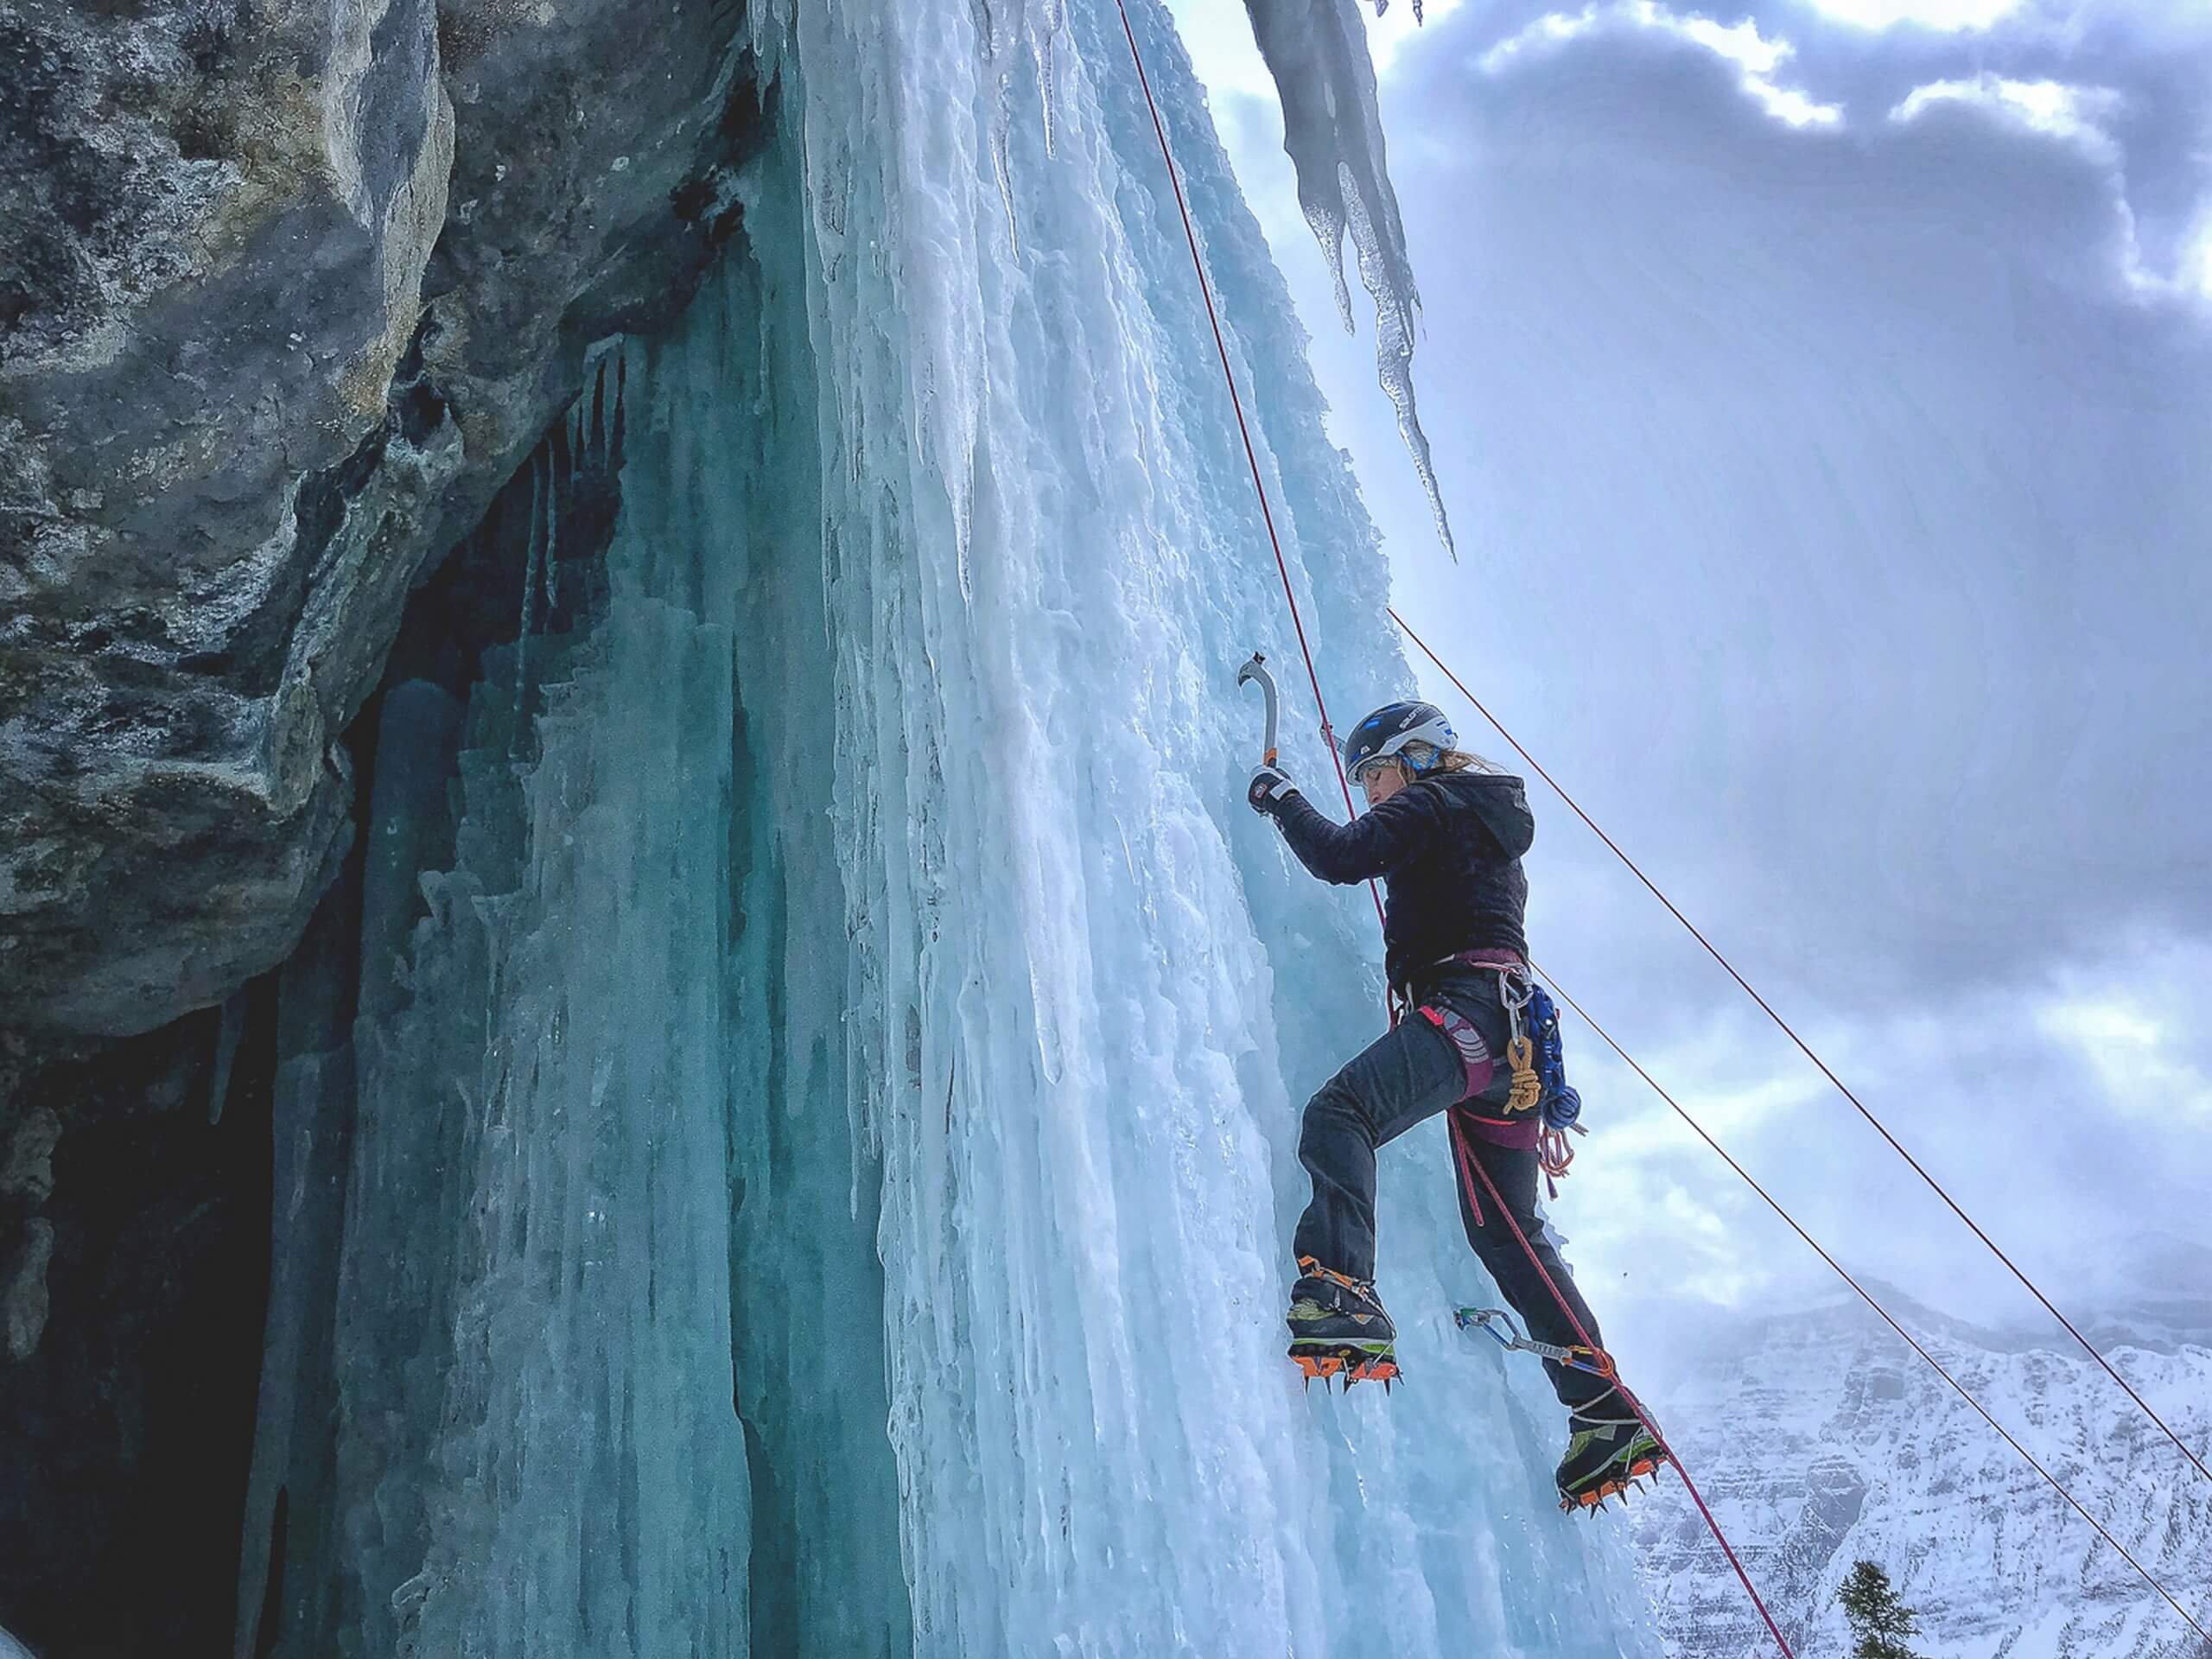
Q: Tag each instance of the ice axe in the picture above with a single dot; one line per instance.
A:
(1257, 669)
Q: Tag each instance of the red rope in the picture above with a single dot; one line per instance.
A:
(1698, 1129)
(1470, 1167)
(1805, 1048)
(1237, 402)
(1282, 568)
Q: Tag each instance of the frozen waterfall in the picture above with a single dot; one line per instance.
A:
(823, 1107)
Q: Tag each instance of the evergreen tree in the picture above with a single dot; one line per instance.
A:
(1878, 1619)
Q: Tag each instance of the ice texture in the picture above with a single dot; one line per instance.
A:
(1316, 50)
(814, 1159)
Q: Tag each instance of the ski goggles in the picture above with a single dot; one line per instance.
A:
(1374, 764)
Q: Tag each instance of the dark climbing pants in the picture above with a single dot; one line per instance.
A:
(1408, 1077)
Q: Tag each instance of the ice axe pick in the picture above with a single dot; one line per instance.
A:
(1257, 669)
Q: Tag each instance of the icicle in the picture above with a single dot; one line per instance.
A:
(540, 488)
(1048, 69)
(1328, 227)
(1395, 306)
(1332, 132)
(226, 1049)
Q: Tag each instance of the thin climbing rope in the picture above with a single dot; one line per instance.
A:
(1934, 1364)
(1237, 402)
(1805, 1048)
(1282, 568)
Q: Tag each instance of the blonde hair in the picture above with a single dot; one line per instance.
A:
(1462, 760)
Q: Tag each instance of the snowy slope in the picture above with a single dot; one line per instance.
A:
(1820, 1440)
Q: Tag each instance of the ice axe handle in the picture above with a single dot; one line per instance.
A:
(1257, 669)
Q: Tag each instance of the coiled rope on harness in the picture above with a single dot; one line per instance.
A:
(1282, 568)
(1535, 1055)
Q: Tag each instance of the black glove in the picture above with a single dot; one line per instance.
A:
(1271, 787)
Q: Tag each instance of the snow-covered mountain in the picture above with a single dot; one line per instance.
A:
(1819, 1439)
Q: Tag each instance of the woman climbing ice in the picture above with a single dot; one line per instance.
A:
(1444, 830)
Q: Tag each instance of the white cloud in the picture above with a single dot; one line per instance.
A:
(1740, 43)
(1550, 29)
(1951, 16)
(2196, 257)
(2074, 114)
(2133, 1050)
(2081, 117)
(1755, 58)
(1396, 31)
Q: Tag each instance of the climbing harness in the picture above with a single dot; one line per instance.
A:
(1514, 1339)
(1535, 1054)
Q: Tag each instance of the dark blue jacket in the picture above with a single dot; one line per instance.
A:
(1448, 848)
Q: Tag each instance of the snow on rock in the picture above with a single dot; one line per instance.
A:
(1820, 1440)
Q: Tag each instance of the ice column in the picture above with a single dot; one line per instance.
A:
(537, 1448)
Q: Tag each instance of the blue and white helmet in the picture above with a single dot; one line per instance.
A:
(1384, 735)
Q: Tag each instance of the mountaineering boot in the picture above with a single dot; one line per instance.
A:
(1607, 1447)
(1338, 1328)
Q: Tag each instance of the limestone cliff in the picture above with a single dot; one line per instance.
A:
(292, 290)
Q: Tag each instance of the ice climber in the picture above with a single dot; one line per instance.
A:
(1444, 830)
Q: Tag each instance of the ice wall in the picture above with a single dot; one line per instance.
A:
(536, 1452)
(828, 1065)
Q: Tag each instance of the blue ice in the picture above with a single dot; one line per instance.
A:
(826, 1112)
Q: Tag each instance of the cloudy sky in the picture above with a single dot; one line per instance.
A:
(1822, 393)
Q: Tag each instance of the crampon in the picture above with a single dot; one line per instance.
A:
(1349, 1363)
(1338, 1330)
(1606, 1458)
